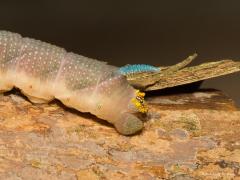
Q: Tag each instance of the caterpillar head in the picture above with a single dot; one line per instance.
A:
(128, 124)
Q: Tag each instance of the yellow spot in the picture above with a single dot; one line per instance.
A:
(138, 101)
(140, 94)
(36, 164)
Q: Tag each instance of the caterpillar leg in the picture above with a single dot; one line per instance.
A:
(4, 86)
(36, 100)
(128, 124)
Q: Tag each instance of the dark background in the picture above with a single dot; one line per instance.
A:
(134, 31)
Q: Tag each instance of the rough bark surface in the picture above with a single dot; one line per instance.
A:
(186, 136)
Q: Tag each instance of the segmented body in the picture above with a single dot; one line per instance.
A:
(43, 72)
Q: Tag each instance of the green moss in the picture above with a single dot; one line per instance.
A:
(191, 124)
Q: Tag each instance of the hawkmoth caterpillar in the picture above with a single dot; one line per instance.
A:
(44, 72)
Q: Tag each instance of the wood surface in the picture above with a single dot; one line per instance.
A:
(186, 136)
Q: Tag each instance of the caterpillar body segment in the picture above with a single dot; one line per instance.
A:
(43, 72)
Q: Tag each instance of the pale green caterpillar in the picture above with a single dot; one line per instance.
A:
(43, 72)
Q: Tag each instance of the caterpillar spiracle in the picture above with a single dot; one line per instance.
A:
(44, 72)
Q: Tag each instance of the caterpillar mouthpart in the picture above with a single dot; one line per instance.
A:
(139, 102)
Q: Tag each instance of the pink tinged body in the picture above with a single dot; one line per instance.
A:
(43, 72)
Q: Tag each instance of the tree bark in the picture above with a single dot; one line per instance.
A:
(186, 135)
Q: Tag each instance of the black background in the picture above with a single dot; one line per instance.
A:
(127, 32)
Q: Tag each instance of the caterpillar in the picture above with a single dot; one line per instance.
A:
(44, 72)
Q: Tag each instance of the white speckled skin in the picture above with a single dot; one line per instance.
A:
(43, 72)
